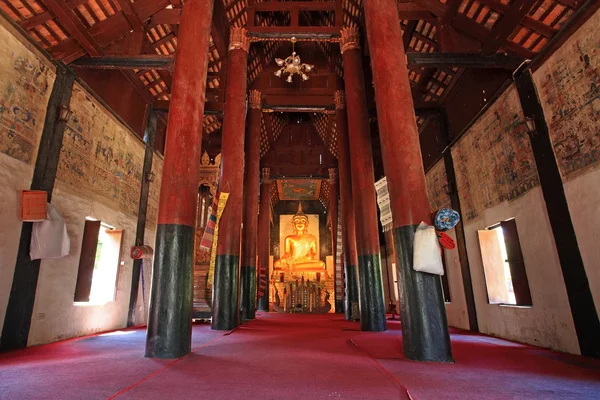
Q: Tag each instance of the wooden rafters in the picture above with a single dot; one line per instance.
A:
(74, 26)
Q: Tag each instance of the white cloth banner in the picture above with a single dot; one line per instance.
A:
(49, 238)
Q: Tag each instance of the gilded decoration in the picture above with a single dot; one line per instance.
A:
(254, 98)
(299, 189)
(493, 161)
(569, 88)
(340, 100)
(300, 280)
(25, 85)
(209, 172)
(238, 39)
(350, 39)
(100, 158)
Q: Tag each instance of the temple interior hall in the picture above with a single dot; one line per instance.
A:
(305, 199)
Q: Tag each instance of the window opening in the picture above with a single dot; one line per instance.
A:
(98, 263)
(503, 265)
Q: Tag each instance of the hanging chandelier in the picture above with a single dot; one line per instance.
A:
(293, 65)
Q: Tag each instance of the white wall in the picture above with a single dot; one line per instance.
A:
(55, 316)
(548, 323)
(14, 175)
(583, 197)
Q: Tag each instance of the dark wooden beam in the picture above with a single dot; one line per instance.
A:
(285, 32)
(74, 26)
(464, 60)
(141, 61)
(149, 144)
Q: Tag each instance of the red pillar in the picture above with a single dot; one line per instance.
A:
(333, 213)
(170, 315)
(372, 307)
(227, 264)
(248, 271)
(345, 186)
(264, 227)
(424, 325)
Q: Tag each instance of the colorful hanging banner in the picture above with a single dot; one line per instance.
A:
(213, 253)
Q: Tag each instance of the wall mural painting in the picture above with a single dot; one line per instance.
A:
(154, 193)
(494, 161)
(569, 89)
(437, 185)
(25, 86)
(100, 158)
(299, 189)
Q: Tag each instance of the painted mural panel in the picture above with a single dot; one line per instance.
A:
(493, 161)
(437, 184)
(569, 88)
(100, 158)
(25, 85)
(154, 192)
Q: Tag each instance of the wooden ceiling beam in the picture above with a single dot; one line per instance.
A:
(529, 22)
(131, 15)
(108, 31)
(414, 12)
(408, 33)
(498, 36)
(74, 26)
(171, 16)
(140, 61)
(210, 107)
(464, 60)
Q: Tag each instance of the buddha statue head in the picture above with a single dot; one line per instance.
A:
(300, 220)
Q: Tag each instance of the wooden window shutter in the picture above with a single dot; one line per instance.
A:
(493, 267)
(516, 263)
(87, 260)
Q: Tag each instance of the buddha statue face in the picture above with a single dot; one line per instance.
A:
(300, 223)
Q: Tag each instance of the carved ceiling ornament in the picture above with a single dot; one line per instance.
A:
(238, 39)
(339, 99)
(350, 39)
(255, 100)
(209, 172)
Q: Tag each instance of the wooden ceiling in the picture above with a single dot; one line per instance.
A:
(74, 29)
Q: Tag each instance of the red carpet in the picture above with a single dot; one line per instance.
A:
(293, 357)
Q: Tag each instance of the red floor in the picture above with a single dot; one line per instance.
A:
(294, 357)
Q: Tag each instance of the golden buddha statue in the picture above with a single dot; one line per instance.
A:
(300, 248)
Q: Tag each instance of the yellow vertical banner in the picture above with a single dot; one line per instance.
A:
(213, 252)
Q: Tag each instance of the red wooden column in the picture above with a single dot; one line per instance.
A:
(333, 215)
(170, 316)
(264, 226)
(424, 325)
(370, 283)
(345, 186)
(227, 264)
(252, 171)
